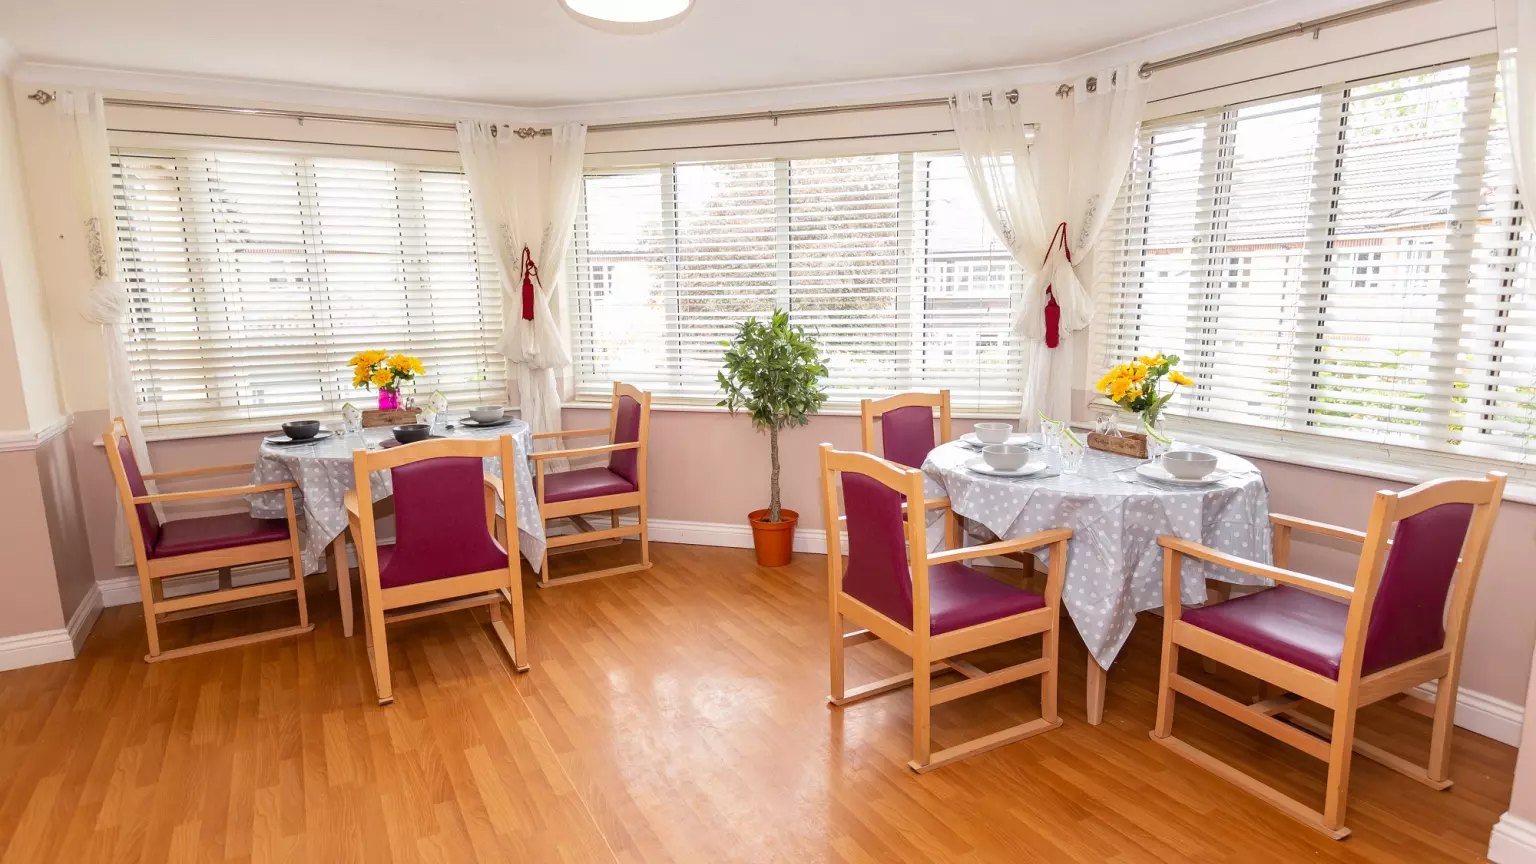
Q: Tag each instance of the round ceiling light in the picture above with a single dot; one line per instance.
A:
(628, 16)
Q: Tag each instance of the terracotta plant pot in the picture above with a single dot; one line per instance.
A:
(773, 541)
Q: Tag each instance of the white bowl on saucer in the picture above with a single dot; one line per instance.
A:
(1189, 464)
(1005, 457)
(993, 433)
(487, 413)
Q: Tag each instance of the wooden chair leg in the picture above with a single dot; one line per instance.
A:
(1164, 725)
(613, 518)
(1341, 749)
(1050, 650)
(1439, 767)
(645, 537)
(378, 652)
(518, 647)
(838, 691)
(147, 600)
(951, 529)
(922, 709)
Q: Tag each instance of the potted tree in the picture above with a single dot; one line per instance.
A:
(773, 371)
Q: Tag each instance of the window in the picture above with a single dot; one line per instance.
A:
(1349, 263)
(253, 277)
(888, 259)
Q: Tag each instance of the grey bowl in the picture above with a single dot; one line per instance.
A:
(410, 433)
(487, 413)
(994, 433)
(301, 430)
(1005, 457)
(1188, 464)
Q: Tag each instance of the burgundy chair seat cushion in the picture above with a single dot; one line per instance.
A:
(207, 533)
(1296, 626)
(959, 597)
(584, 483)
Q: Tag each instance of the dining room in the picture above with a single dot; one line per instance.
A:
(1028, 436)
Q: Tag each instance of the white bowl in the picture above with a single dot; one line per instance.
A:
(1188, 464)
(1005, 457)
(486, 413)
(993, 433)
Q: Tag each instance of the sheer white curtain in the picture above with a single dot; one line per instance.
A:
(1051, 228)
(1517, 41)
(525, 192)
(106, 303)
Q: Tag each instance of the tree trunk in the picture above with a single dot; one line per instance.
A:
(773, 452)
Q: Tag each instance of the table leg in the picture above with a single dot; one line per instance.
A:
(1098, 679)
(341, 575)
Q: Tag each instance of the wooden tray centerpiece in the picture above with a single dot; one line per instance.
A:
(1132, 388)
(387, 372)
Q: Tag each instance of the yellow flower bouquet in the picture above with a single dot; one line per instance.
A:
(1133, 386)
(385, 371)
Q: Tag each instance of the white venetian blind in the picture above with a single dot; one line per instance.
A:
(1349, 262)
(887, 259)
(253, 277)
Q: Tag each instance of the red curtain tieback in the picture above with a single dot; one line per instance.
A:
(530, 276)
(1052, 308)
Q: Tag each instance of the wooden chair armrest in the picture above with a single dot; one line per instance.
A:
(225, 492)
(349, 501)
(1317, 527)
(570, 433)
(584, 451)
(1254, 568)
(1003, 547)
(930, 503)
(199, 472)
(494, 482)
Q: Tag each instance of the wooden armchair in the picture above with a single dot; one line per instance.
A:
(907, 436)
(930, 607)
(1393, 631)
(179, 547)
(580, 492)
(446, 556)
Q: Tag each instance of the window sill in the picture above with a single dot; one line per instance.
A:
(1381, 461)
(832, 411)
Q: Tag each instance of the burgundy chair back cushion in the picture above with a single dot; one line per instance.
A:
(149, 523)
(1408, 616)
(907, 434)
(440, 523)
(877, 574)
(626, 430)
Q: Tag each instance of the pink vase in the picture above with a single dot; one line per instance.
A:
(389, 400)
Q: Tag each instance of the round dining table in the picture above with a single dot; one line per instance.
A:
(323, 471)
(1114, 563)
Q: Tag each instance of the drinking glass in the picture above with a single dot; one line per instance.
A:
(1072, 453)
(1050, 434)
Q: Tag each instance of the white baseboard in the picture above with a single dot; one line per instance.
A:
(124, 590)
(35, 649)
(84, 619)
(1513, 841)
(1486, 715)
(53, 646)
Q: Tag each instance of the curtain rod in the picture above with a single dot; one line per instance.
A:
(43, 97)
(1314, 26)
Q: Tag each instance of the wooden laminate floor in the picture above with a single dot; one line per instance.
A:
(675, 715)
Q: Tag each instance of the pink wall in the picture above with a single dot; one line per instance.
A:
(63, 509)
(27, 582)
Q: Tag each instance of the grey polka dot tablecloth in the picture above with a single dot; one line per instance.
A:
(323, 471)
(1114, 565)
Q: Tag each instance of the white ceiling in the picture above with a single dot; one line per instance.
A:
(531, 53)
